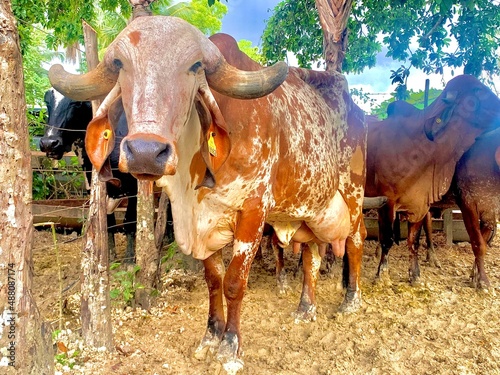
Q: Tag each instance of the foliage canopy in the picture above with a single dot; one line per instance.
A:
(426, 34)
(49, 25)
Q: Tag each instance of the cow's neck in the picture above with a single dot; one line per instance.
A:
(190, 206)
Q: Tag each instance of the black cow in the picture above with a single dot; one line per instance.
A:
(67, 122)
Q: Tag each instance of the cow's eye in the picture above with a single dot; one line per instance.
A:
(195, 67)
(118, 63)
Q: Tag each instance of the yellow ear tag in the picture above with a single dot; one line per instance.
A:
(106, 134)
(211, 145)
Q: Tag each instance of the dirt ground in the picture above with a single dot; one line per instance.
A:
(442, 326)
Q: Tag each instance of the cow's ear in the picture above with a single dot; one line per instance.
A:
(106, 175)
(99, 141)
(215, 142)
(438, 116)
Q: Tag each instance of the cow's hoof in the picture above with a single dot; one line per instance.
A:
(305, 315)
(414, 275)
(414, 278)
(383, 267)
(283, 287)
(232, 367)
(352, 302)
(283, 290)
(228, 353)
(282, 283)
(208, 344)
(480, 283)
(432, 259)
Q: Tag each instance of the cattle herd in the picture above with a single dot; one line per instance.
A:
(239, 147)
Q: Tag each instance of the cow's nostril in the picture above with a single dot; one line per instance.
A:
(146, 156)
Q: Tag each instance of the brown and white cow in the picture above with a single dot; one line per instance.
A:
(286, 157)
(413, 153)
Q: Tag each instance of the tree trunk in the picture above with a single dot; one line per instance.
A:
(161, 220)
(333, 16)
(141, 8)
(26, 337)
(95, 308)
(146, 252)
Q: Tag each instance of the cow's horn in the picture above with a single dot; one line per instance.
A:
(92, 85)
(241, 84)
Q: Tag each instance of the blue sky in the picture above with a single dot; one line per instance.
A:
(245, 19)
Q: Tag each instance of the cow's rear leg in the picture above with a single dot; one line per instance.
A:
(351, 273)
(478, 244)
(414, 268)
(214, 273)
(281, 279)
(386, 238)
(311, 262)
(431, 251)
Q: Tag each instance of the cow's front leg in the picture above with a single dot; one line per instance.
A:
(247, 236)
(311, 262)
(214, 272)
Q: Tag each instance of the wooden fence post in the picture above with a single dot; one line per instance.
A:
(95, 308)
(146, 252)
(448, 226)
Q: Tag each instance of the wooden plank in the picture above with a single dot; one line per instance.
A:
(451, 224)
(38, 154)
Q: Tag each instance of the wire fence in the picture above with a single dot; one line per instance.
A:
(65, 191)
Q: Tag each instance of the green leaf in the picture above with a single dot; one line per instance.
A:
(114, 293)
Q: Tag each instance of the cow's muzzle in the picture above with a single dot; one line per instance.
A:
(52, 146)
(147, 157)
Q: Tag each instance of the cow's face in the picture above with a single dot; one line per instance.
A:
(467, 100)
(67, 121)
(475, 102)
(158, 95)
(163, 67)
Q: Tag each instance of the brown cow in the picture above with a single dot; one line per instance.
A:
(476, 190)
(231, 165)
(412, 155)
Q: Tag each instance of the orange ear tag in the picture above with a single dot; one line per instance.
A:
(212, 149)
